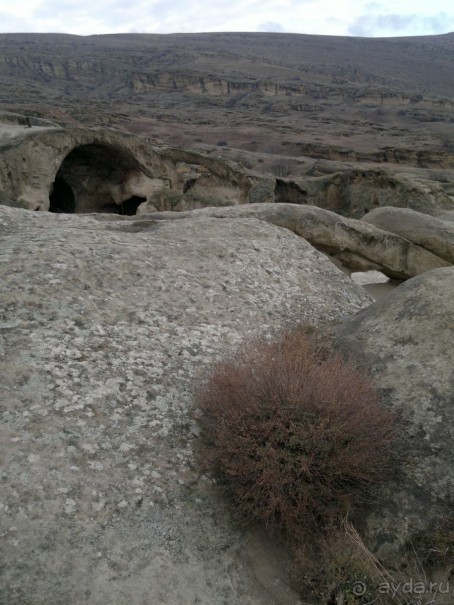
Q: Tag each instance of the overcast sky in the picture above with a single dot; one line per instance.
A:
(330, 17)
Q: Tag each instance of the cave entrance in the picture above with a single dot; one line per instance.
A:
(62, 197)
(127, 208)
(287, 191)
(96, 178)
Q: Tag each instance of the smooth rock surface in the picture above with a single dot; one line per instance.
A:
(431, 233)
(406, 341)
(358, 246)
(102, 331)
(446, 216)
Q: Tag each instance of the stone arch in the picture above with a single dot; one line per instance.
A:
(95, 177)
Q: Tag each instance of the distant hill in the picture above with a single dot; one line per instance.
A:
(250, 90)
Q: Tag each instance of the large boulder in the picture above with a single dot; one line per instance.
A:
(358, 246)
(429, 232)
(406, 341)
(106, 322)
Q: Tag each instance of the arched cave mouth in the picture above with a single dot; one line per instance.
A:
(287, 191)
(95, 178)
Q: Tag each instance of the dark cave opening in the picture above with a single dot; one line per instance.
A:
(126, 208)
(62, 197)
(287, 191)
(93, 177)
(129, 206)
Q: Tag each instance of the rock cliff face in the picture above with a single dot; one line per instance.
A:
(174, 61)
(81, 170)
(386, 155)
(322, 96)
(105, 170)
(354, 192)
(210, 86)
(103, 329)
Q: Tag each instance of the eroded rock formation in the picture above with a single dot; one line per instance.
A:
(76, 170)
(103, 330)
(104, 170)
(357, 245)
(428, 232)
(353, 192)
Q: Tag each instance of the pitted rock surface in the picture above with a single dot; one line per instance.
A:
(405, 341)
(102, 331)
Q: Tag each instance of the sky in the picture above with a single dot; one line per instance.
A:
(381, 18)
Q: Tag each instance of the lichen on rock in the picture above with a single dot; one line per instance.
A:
(103, 330)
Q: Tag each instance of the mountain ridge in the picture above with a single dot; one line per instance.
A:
(323, 89)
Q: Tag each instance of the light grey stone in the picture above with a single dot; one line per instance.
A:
(406, 341)
(106, 331)
(358, 246)
(429, 232)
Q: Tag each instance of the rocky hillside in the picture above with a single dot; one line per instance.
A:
(261, 91)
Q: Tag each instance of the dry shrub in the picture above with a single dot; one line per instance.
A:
(295, 435)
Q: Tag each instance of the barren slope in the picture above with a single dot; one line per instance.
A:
(283, 93)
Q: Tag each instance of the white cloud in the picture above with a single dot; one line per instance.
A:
(339, 17)
(270, 26)
(400, 25)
